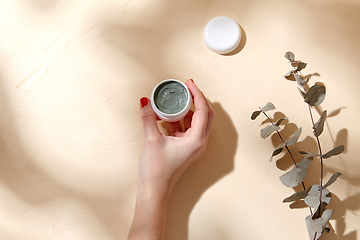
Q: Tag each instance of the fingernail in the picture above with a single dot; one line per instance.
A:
(192, 80)
(143, 102)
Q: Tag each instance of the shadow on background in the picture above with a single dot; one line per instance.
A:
(217, 162)
(31, 186)
(241, 44)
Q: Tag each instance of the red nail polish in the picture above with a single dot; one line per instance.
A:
(143, 102)
(192, 80)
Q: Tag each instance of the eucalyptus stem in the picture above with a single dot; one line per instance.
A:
(321, 157)
(321, 162)
(320, 153)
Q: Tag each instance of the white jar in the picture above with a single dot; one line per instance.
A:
(171, 100)
(222, 35)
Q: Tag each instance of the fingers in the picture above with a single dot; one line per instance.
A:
(201, 114)
(174, 127)
(187, 120)
(149, 119)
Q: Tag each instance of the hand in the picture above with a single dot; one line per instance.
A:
(163, 159)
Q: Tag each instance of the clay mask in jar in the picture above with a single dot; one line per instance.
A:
(171, 100)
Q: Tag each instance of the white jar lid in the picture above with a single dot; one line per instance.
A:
(222, 34)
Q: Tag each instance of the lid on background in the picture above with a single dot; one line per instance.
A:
(222, 34)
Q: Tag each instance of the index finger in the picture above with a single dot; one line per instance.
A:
(200, 117)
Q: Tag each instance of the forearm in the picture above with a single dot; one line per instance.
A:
(149, 221)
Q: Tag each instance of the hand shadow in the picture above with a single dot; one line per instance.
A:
(217, 162)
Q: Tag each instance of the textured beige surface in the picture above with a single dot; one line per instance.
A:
(71, 76)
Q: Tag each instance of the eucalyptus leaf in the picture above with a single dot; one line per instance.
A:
(315, 95)
(300, 81)
(296, 196)
(306, 160)
(327, 228)
(294, 64)
(278, 122)
(326, 216)
(313, 197)
(334, 152)
(266, 131)
(307, 77)
(303, 152)
(332, 179)
(308, 221)
(290, 75)
(301, 66)
(320, 210)
(277, 150)
(294, 138)
(255, 114)
(319, 125)
(290, 56)
(316, 225)
(294, 177)
(268, 106)
(309, 153)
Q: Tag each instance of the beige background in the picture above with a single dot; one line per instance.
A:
(71, 76)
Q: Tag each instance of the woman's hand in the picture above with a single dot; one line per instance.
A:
(164, 159)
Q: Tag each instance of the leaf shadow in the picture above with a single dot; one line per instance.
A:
(277, 116)
(337, 231)
(307, 144)
(342, 139)
(335, 112)
(350, 204)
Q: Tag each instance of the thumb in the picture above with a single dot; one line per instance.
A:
(148, 117)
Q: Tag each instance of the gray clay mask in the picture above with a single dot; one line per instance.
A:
(171, 97)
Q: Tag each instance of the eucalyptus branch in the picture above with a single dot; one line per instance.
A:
(321, 157)
(278, 133)
(317, 197)
(288, 150)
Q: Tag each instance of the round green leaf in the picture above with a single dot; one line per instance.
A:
(313, 197)
(308, 221)
(294, 177)
(255, 114)
(265, 132)
(315, 95)
(296, 196)
(268, 106)
(290, 56)
(294, 138)
(334, 152)
(319, 125)
(332, 179)
(277, 150)
(301, 66)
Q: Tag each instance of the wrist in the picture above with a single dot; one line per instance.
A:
(150, 212)
(157, 190)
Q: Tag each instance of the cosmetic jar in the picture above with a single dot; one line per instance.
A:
(222, 35)
(171, 100)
